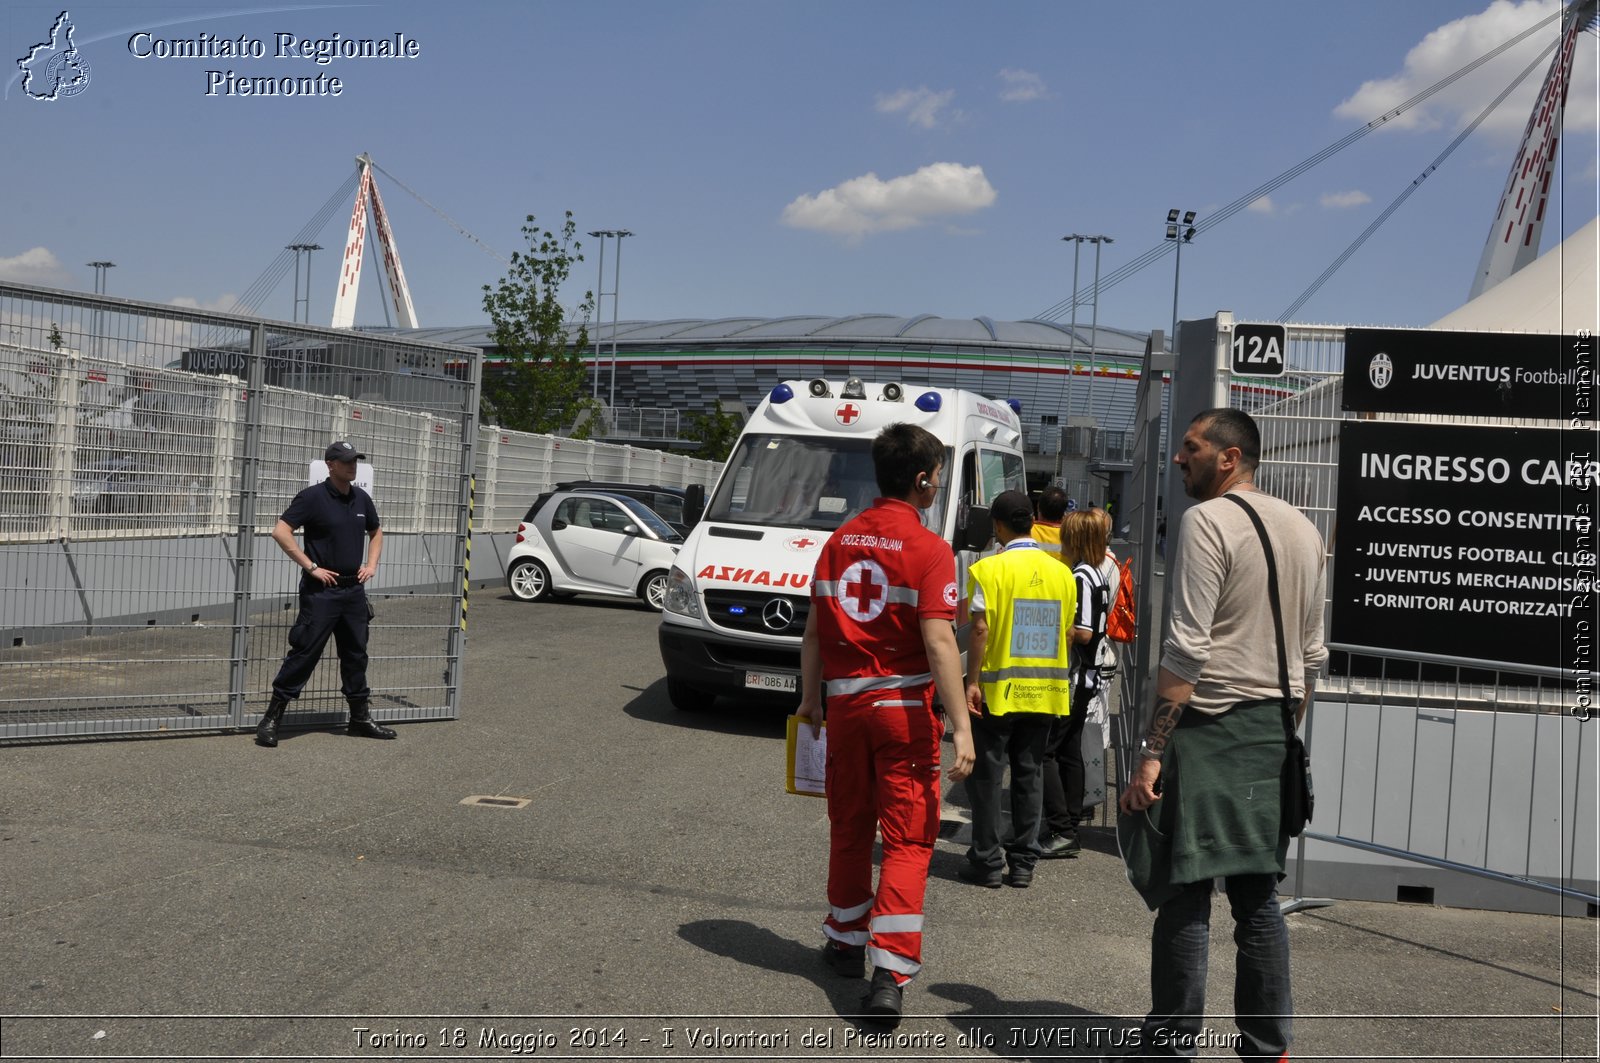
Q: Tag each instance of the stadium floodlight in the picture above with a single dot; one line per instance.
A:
(1179, 234)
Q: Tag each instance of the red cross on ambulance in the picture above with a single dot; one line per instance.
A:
(847, 413)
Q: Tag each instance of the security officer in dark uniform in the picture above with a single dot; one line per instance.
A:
(336, 516)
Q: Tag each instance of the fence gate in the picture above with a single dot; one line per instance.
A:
(146, 451)
(1452, 779)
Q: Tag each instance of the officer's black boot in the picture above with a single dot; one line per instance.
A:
(267, 729)
(362, 725)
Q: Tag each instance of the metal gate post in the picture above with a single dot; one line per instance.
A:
(1301, 902)
(245, 546)
(1147, 414)
(455, 652)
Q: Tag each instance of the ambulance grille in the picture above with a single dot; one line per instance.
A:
(747, 611)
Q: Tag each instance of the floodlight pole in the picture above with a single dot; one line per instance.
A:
(1180, 233)
(1094, 325)
(299, 250)
(616, 287)
(1072, 339)
(100, 267)
(599, 293)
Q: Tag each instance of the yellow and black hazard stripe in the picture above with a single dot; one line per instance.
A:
(466, 568)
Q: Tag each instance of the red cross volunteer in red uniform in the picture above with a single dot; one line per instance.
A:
(879, 640)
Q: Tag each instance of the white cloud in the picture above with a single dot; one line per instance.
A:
(869, 204)
(921, 105)
(1022, 86)
(1342, 200)
(222, 304)
(1264, 205)
(1457, 43)
(35, 266)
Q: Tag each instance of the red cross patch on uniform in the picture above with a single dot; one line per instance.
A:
(863, 591)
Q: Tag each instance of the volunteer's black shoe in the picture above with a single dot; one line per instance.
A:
(979, 875)
(1060, 847)
(882, 1003)
(1019, 878)
(847, 960)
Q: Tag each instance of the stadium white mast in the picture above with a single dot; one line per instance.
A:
(344, 304)
(1518, 224)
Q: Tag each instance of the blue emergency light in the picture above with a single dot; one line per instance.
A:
(781, 393)
(929, 402)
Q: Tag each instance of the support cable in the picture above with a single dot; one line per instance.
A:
(1355, 245)
(1216, 218)
(448, 220)
(268, 281)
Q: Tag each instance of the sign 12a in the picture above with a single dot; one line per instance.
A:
(1258, 349)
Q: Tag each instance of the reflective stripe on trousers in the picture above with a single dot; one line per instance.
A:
(883, 774)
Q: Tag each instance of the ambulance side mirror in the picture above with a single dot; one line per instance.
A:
(694, 504)
(974, 528)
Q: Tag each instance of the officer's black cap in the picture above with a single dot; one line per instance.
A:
(342, 451)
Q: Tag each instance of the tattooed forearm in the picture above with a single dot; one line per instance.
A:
(1162, 724)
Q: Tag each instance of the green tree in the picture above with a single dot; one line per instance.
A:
(55, 337)
(716, 433)
(539, 387)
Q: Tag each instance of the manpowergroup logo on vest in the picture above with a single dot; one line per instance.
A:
(54, 69)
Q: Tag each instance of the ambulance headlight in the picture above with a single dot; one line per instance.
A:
(681, 597)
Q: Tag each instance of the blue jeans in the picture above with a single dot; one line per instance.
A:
(1179, 947)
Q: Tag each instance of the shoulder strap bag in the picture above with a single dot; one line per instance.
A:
(1299, 797)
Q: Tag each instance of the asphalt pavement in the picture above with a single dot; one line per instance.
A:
(649, 891)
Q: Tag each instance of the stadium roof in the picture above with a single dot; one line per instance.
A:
(1556, 292)
(887, 329)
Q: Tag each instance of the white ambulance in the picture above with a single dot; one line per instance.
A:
(738, 597)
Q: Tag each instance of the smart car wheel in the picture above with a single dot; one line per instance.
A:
(653, 589)
(529, 580)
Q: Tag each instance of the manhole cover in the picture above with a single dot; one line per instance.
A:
(497, 802)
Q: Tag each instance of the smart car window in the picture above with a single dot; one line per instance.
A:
(607, 516)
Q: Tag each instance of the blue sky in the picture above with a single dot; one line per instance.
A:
(787, 157)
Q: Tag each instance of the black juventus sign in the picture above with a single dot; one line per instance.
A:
(1474, 374)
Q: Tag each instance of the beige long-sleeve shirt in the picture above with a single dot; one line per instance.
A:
(1221, 635)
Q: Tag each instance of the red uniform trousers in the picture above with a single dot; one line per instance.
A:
(883, 771)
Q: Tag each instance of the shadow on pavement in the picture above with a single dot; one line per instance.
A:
(1034, 1029)
(758, 946)
(723, 716)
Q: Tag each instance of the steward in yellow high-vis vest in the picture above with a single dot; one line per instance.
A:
(1023, 601)
(1029, 600)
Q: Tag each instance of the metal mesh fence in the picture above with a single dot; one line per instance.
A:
(1455, 762)
(146, 453)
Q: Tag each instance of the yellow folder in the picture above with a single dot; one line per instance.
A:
(807, 759)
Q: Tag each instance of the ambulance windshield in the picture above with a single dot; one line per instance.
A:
(814, 482)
